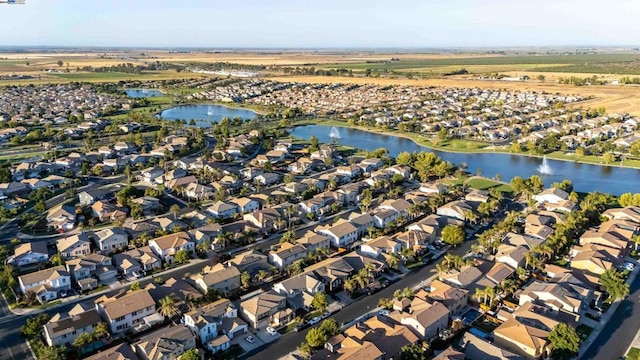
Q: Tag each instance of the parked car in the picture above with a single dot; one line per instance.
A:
(314, 321)
(301, 326)
(137, 275)
(325, 315)
(272, 331)
(383, 312)
(250, 339)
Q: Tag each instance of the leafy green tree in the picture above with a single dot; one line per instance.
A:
(330, 327)
(453, 235)
(314, 143)
(135, 286)
(191, 354)
(316, 337)
(413, 352)
(608, 158)
(40, 206)
(245, 279)
(182, 256)
(320, 301)
(404, 158)
(57, 259)
(101, 330)
(565, 342)
(52, 353)
(33, 327)
(82, 340)
(174, 210)
(289, 236)
(614, 284)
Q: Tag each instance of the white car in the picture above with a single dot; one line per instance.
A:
(272, 331)
(314, 321)
(137, 275)
(250, 339)
(383, 312)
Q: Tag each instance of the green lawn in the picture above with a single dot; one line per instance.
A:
(486, 184)
(633, 354)
(584, 331)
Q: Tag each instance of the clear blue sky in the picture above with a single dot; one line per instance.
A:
(321, 23)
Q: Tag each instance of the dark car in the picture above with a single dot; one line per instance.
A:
(301, 326)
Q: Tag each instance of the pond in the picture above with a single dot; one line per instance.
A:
(204, 114)
(143, 93)
(585, 177)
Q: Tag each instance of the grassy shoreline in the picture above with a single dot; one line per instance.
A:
(472, 147)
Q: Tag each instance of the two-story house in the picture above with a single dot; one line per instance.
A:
(30, 253)
(126, 310)
(224, 278)
(342, 234)
(110, 240)
(47, 284)
(74, 246)
(215, 324)
(167, 246)
(167, 343)
(286, 253)
(266, 309)
(63, 328)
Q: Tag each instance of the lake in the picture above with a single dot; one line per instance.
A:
(143, 93)
(205, 114)
(585, 177)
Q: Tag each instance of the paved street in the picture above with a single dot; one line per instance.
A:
(619, 332)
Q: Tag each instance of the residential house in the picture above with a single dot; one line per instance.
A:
(166, 343)
(342, 233)
(63, 328)
(86, 271)
(111, 239)
(558, 296)
(223, 210)
(126, 310)
(166, 247)
(381, 245)
(62, 218)
(221, 277)
(206, 234)
(136, 261)
(245, 205)
(455, 209)
(426, 319)
(118, 352)
(300, 290)
(104, 210)
(88, 197)
(362, 222)
(474, 347)
(216, 324)
(29, 254)
(513, 256)
(47, 284)
(267, 179)
(521, 339)
(551, 195)
(313, 241)
(266, 309)
(74, 246)
(454, 299)
(286, 253)
(154, 175)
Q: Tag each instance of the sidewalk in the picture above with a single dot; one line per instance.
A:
(605, 319)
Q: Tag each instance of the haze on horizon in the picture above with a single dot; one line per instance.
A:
(327, 24)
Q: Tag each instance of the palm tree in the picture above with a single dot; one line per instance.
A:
(385, 303)
(261, 275)
(441, 268)
(471, 216)
(392, 261)
(532, 261)
(508, 287)
(245, 279)
(168, 307)
(101, 331)
(479, 294)
(350, 285)
(82, 340)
